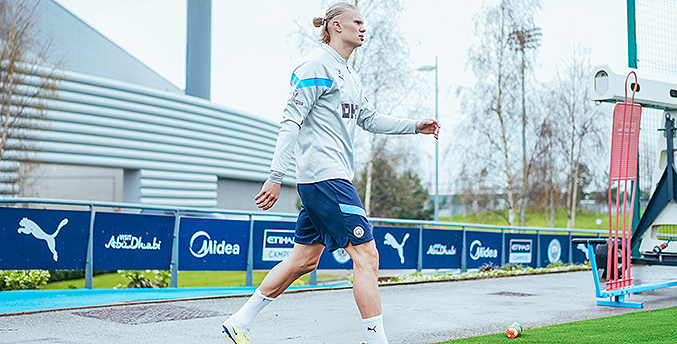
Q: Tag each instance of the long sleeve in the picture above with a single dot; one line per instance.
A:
(284, 150)
(307, 84)
(370, 120)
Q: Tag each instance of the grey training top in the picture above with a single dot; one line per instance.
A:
(325, 106)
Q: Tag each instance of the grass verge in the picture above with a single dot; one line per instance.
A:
(536, 217)
(654, 326)
(186, 279)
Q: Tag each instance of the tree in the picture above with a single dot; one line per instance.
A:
(545, 185)
(494, 117)
(578, 134)
(384, 67)
(26, 83)
(394, 195)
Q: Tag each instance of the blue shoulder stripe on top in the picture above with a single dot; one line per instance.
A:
(310, 82)
(352, 209)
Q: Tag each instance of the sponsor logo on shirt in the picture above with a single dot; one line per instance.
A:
(349, 110)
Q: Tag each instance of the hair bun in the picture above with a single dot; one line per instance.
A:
(317, 21)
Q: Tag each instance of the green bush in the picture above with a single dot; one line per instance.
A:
(65, 275)
(23, 279)
(137, 279)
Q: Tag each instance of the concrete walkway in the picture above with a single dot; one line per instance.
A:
(418, 313)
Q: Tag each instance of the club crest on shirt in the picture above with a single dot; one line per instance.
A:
(358, 231)
(292, 98)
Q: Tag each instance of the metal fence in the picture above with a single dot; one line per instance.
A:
(110, 236)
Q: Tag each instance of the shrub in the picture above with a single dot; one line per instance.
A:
(65, 275)
(23, 279)
(137, 279)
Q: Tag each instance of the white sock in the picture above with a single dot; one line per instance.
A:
(244, 317)
(375, 331)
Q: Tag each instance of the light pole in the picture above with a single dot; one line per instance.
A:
(522, 39)
(437, 191)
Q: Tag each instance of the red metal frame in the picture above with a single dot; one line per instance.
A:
(623, 171)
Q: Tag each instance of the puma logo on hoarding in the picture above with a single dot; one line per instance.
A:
(391, 241)
(28, 226)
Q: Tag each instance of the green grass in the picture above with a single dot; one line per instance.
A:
(536, 218)
(186, 279)
(657, 326)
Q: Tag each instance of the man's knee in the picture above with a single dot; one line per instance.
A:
(364, 255)
(304, 258)
(306, 266)
(302, 265)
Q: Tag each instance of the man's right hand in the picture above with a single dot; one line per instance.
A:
(268, 195)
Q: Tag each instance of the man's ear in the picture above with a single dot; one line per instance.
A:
(336, 25)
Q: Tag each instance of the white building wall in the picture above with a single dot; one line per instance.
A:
(86, 183)
(172, 148)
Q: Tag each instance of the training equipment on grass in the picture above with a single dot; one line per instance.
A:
(651, 32)
(661, 212)
(513, 330)
(622, 176)
(658, 226)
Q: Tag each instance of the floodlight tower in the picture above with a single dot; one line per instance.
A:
(520, 40)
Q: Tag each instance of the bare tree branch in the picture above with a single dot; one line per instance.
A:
(26, 82)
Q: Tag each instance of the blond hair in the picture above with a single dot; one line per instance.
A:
(334, 11)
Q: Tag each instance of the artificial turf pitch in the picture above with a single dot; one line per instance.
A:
(654, 326)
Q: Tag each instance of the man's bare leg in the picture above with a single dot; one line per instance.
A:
(302, 260)
(365, 289)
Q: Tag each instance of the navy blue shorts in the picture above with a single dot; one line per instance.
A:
(331, 214)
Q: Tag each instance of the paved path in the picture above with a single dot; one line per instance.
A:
(420, 313)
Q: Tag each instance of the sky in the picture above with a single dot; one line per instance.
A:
(252, 45)
(254, 52)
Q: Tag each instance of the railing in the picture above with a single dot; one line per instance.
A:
(267, 236)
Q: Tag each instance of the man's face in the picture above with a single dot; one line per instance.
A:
(352, 26)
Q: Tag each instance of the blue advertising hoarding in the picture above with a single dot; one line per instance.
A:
(273, 242)
(579, 253)
(442, 249)
(397, 247)
(53, 239)
(554, 248)
(132, 242)
(483, 248)
(212, 244)
(338, 260)
(521, 249)
(43, 239)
